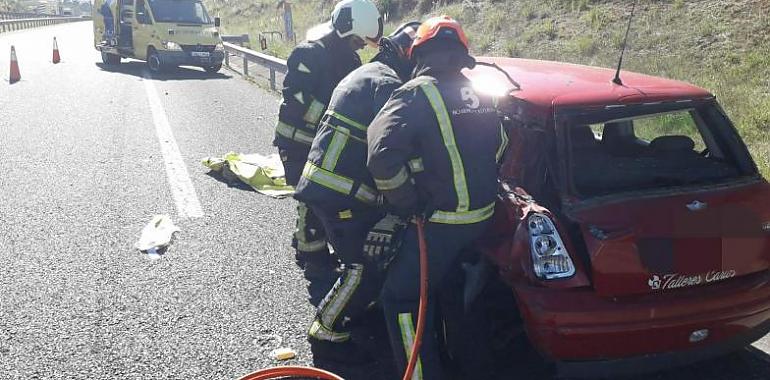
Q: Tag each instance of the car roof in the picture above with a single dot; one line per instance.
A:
(548, 84)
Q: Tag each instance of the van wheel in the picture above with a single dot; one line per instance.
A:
(213, 69)
(110, 59)
(153, 61)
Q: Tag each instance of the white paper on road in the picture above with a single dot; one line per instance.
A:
(284, 353)
(187, 203)
(156, 234)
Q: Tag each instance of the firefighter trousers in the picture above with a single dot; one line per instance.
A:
(358, 286)
(309, 237)
(401, 292)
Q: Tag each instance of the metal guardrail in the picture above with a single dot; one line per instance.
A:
(273, 64)
(23, 23)
(236, 39)
(18, 15)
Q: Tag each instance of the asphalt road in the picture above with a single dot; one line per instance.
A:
(88, 154)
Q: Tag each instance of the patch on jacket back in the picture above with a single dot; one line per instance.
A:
(471, 103)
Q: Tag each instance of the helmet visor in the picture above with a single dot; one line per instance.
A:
(373, 42)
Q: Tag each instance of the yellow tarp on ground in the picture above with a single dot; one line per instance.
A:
(263, 173)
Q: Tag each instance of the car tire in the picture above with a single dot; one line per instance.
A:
(512, 352)
(153, 61)
(213, 69)
(110, 59)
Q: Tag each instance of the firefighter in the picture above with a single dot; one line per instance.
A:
(433, 152)
(109, 21)
(338, 188)
(314, 70)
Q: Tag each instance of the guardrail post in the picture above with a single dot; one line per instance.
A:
(272, 64)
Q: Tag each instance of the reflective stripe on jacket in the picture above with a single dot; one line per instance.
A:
(458, 136)
(335, 175)
(314, 70)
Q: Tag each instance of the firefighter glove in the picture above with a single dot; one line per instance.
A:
(384, 240)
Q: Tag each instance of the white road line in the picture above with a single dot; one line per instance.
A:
(187, 203)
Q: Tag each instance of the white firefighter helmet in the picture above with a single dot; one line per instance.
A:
(357, 18)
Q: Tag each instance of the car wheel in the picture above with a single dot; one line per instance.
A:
(505, 333)
(153, 61)
(110, 59)
(213, 69)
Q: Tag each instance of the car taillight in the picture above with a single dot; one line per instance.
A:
(549, 255)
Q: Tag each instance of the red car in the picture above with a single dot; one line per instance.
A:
(634, 226)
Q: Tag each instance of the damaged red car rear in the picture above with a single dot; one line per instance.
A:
(634, 226)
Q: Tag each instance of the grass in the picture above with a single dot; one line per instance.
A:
(722, 46)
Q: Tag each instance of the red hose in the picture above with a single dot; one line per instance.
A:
(415, 354)
(297, 371)
(291, 371)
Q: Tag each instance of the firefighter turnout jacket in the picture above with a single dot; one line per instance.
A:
(314, 69)
(335, 176)
(433, 149)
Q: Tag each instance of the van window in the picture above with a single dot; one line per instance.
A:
(650, 151)
(141, 13)
(180, 11)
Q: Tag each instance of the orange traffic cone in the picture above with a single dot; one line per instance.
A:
(15, 75)
(56, 58)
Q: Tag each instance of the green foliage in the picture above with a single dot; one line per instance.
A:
(597, 18)
(579, 5)
(459, 12)
(512, 48)
(484, 43)
(548, 29)
(528, 11)
(425, 6)
(585, 45)
(495, 20)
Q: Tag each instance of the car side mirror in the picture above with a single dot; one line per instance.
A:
(217, 22)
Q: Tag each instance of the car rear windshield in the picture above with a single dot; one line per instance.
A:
(179, 11)
(643, 148)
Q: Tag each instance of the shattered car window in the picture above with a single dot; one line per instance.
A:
(650, 151)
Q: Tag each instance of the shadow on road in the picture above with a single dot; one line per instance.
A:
(746, 364)
(230, 180)
(139, 69)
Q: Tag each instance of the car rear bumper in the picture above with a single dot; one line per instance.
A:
(656, 362)
(182, 58)
(584, 333)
